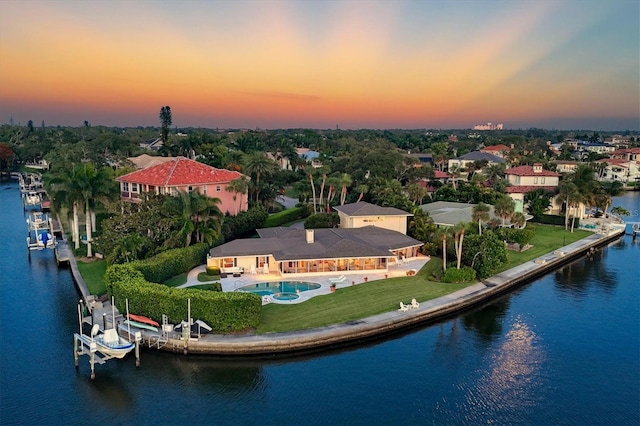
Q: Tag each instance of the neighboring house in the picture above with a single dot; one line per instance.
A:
(629, 154)
(152, 144)
(447, 214)
(183, 174)
(563, 166)
(311, 157)
(621, 170)
(463, 161)
(145, 160)
(497, 150)
(421, 159)
(524, 179)
(282, 161)
(357, 248)
(597, 147)
(358, 215)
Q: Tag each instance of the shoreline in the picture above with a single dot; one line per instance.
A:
(371, 328)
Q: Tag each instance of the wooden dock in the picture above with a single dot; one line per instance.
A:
(63, 252)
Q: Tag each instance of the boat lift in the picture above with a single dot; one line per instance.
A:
(86, 345)
(39, 234)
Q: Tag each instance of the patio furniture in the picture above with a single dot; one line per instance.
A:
(414, 304)
(404, 308)
(340, 279)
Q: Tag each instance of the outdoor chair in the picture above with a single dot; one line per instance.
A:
(340, 279)
(414, 304)
(404, 308)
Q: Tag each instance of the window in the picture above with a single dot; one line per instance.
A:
(204, 190)
(190, 188)
(125, 186)
(134, 187)
(542, 180)
(535, 180)
(218, 188)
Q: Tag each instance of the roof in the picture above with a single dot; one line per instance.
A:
(523, 189)
(615, 162)
(497, 148)
(449, 213)
(286, 244)
(363, 208)
(145, 160)
(479, 156)
(623, 151)
(528, 171)
(180, 171)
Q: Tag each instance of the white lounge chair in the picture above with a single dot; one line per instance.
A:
(253, 270)
(266, 299)
(414, 304)
(340, 279)
(404, 308)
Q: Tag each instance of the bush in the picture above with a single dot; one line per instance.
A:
(322, 220)
(464, 274)
(522, 237)
(170, 263)
(243, 223)
(549, 219)
(224, 312)
(213, 270)
(286, 216)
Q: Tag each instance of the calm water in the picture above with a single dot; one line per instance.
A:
(561, 350)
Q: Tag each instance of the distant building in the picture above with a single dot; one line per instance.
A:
(488, 126)
(472, 157)
(497, 150)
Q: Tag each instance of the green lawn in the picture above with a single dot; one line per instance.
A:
(203, 277)
(355, 302)
(547, 239)
(92, 273)
(177, 280)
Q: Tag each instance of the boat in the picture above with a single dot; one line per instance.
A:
(45, 240)
(143, 319)
(140, 325)
(110, 343)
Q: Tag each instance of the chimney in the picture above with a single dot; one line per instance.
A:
(309, 236)
(537, 167)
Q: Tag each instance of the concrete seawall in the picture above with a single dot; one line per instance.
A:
(353, 332)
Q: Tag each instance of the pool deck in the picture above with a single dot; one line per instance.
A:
(389, 322)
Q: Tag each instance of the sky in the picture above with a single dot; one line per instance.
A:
(381, 64)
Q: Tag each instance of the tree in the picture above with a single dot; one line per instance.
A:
(518, 220)
(494, 172)
(345, 182)
(257, 164)
(165, 123)
(538, 201)
(480, 213)
(238, 186)
(568, 191)
(196, 214)
(504, 207)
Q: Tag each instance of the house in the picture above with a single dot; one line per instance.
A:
(524, 179)
(310, 156)
(145, 160)
(183, 174)
(421, 159)
(497, 150)
(463, 161)
(287, 251)
(618, 169)
(563, 166)
(360, 214)
(447, 214)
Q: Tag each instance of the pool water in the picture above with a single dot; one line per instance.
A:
(280, 290)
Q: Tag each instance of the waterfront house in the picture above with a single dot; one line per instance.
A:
(524, 179)
(370, 238)
(183, 174)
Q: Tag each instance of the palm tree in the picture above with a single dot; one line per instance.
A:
(504, 207)
(165, 122)
(416, 193)
(238, 186)
(311, 172)
(518, 220)
(494, 172)
(345, 182)
(193, 213)
(454, 172)
(480, 213)
(257, 164)
(610, 189)
(568, 191)
(65, 192)
(362, 189)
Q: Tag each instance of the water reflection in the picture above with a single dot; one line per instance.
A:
(487, 322)
(511, 382)
(575, 278)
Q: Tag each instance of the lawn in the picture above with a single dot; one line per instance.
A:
(547, 239)
(92, 272)
(177, 280)
(355, 302)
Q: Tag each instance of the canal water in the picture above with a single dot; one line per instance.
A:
(561, 350)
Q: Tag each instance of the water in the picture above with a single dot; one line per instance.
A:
(283, 288)
(561, 350)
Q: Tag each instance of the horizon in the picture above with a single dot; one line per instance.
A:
(353, 65)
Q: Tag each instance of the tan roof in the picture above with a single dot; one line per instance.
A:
(143, 161)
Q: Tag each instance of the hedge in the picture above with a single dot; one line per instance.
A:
(549, 219)
(170, 263)
(224, 312)
(286, 216)
(464, 274)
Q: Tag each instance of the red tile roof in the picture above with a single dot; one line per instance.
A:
(180, 171)
(527, 188)
(437, 174)
(614, 162)
(623, 151)
(498, 148)
(528, 171)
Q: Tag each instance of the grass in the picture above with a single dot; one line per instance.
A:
(547, 239)
(203, 277)
(93, 273)
(355, 302)
(210, 286)
(177, 280)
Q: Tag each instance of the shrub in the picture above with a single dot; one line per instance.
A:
(173, 262)
(322, 220)
(466, 273)
(286, 216)
(224, 312)
(213, 270)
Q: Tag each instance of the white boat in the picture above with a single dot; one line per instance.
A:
(110, 343)
(45, 240)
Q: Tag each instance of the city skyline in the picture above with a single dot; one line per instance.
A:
(321, 64)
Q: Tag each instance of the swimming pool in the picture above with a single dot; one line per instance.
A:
(280, 290)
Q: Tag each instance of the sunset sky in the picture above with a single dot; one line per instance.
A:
(321, 63)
